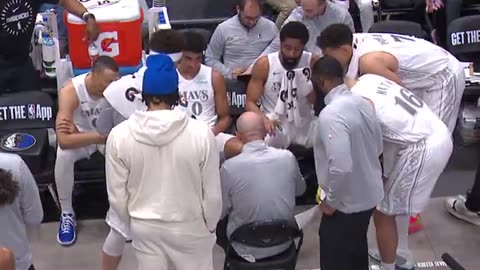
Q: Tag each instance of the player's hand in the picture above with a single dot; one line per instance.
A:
(102, 139)
(237, 72)
(67, 126)
(215, 130)
(91, 30)
(433, 5)
(326, 209)
(270, 126)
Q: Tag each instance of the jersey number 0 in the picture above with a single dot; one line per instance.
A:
(408, 101)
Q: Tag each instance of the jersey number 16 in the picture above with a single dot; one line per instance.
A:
(408, 101)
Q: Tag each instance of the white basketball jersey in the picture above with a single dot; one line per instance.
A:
(86, 114)
(274, 84)
(197, 96)
(418, 59)
(404, 117)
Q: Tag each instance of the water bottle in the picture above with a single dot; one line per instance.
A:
(158, 3)
(48, 54)
(93, 52)
(38, 31)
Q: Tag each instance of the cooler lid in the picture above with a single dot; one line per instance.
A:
(109, 11)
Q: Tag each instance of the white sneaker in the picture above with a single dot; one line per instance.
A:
(456, 206)
(404, 258)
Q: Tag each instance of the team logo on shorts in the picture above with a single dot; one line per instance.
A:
(17, 142)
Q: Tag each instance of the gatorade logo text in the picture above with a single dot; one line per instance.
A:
(108, 43)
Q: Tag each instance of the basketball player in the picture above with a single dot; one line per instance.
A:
(77, 138)
(203, 94)
(124, 97)
(417, 147)
(281, 80)
(430, 72)
(163, 177)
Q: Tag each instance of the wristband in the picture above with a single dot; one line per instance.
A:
(87, 15)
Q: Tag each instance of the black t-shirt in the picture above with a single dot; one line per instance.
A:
(17, 20)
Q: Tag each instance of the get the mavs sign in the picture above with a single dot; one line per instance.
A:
(26, 112)
(16, 142)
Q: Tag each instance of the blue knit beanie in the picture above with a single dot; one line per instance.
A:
(160, 77)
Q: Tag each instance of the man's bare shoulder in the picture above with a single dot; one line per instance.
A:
(68, 96)
(261, 65)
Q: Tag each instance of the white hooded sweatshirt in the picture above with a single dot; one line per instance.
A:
(162, 167)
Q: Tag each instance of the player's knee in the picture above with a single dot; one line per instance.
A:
(232, 147)
(7, 259)
(381, 216)
(114, 244)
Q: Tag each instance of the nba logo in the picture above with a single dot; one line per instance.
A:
(31, 111)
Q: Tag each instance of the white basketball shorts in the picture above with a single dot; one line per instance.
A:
(412, 172)
(287, 133)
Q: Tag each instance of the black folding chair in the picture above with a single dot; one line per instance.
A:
(28, 116)
(465, 48)
(388, 8)
(459, 38)
(399, 27)
(265, 234)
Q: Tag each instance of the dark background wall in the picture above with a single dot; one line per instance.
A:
(199, 9)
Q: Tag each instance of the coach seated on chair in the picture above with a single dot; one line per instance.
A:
(258, 184)
(238, 41)
(78, 107)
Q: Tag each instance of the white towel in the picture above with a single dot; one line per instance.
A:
(123, 98)
(295, 84)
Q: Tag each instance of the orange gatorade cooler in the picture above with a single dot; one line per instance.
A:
(120, 23)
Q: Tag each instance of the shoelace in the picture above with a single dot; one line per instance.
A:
(67, 224)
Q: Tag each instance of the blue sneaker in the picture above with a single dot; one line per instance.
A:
(66, 231)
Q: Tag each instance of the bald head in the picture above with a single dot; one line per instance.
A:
(250, 127)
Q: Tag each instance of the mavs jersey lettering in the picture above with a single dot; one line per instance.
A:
(85, 116)
(197, 96)
(404, 117)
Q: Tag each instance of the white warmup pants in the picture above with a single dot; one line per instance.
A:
(64, 172)
(178, 246)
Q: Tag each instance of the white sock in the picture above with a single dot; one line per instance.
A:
(388, 266)
(403, 222)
